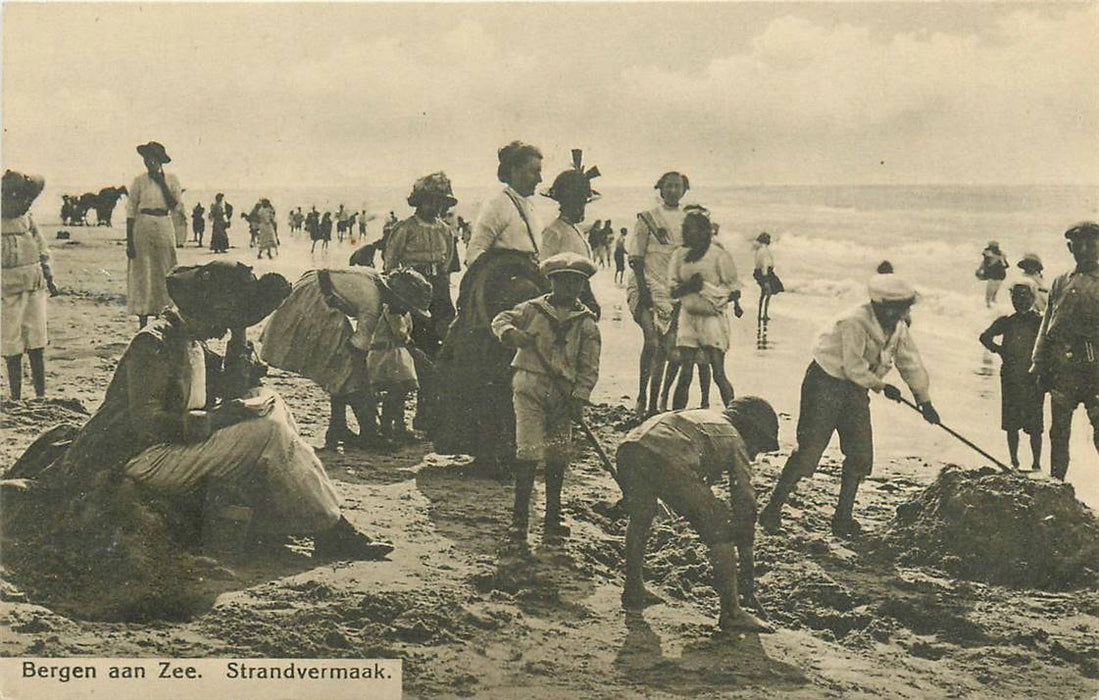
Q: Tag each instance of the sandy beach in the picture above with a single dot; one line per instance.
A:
(469, 621)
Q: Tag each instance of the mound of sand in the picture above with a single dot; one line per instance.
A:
(998, 528)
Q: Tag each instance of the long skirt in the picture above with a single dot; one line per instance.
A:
(219, 238)
(154, 244)
(307, 336)
(179, 221)
(262, 460)
(267, 237)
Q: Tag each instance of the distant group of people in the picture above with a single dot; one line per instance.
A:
(601, 239)
(511, 365)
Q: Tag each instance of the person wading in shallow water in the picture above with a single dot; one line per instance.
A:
(556, 368)
(850, 357)
(675, 458)
(1066, 354)
(993, 270)
(657, 234)
(1021, 403)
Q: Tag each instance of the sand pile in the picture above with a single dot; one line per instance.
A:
(116, 557)
(998, 528)
(98, 551)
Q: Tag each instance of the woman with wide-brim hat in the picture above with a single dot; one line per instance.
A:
(25, 281)
(150, 233)
(425, 243)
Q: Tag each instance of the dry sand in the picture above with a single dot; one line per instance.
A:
(471, 621)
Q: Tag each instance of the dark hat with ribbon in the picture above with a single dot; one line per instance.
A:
(574, 182)
(154, 150)
(1030, 261)
(226, 293)
(411, 289)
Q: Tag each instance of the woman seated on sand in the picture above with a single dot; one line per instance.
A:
(184, 424)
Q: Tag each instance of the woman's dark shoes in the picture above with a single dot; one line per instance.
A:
(344, 541)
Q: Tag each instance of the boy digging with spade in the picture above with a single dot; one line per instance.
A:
(556, 368)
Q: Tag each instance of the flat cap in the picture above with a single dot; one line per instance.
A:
(573, 263)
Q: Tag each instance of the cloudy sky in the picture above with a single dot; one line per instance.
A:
(756, 93)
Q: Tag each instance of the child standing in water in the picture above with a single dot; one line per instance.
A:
(1021, 400)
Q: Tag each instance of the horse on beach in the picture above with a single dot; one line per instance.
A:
(106, 201)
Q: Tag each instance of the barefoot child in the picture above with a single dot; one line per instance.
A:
(1021, 402)
(675, 458)
(26, 280)
(556, 367)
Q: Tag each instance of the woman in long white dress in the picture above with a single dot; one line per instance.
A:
(150, 234)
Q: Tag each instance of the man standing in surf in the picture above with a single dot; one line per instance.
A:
(1066, 353)
(658, 232)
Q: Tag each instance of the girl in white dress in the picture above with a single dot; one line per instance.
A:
(704, 279)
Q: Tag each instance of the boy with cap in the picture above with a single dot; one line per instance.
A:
(556, 368)
(851, 356)
(1065, 354)
(676, 457)
(1021, 402)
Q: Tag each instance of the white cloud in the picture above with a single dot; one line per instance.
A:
(295, 93)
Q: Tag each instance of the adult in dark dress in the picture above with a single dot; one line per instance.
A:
(475, 414)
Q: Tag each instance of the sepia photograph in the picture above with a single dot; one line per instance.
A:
(549, 350)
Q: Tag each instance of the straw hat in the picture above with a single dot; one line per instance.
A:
(433, 185)
(411, 288)
(19, 191)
